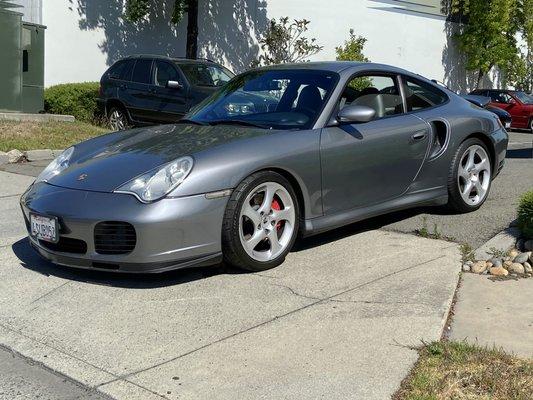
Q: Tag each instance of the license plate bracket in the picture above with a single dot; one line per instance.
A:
(44, 227)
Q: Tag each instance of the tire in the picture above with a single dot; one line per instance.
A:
(118, 118)
(531, 125)
(469, 184)
(252, 217)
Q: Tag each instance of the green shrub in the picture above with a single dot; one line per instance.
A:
(77, 99)
(525, 214)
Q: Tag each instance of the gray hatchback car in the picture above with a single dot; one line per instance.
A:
(337, 142)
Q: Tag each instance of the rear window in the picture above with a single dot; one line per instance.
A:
(121, 70)
(142, 71)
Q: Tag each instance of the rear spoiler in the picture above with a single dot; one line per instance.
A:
(480, 101)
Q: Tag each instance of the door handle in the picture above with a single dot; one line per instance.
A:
(123, 86)
(419, 136)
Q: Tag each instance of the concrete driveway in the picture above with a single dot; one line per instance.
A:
(337, 320)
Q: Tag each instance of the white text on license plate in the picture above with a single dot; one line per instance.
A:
(43, 228)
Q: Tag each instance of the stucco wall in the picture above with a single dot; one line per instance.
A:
(86, 36)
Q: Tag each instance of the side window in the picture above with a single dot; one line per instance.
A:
(127, 70)
(164, 72)
(420, 95)
(379, 92)
(116, 70)
(142, 71)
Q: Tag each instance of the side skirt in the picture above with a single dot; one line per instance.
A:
(431, 197)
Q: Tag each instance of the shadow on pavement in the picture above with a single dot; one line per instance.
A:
(520, 153)
(32, 261)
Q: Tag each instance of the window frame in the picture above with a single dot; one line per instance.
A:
(397, 82)
(150, 73)
(403, 79)
(172, 65)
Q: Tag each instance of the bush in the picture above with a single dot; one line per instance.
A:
(352, 50)
(525, 214)
(77, 99)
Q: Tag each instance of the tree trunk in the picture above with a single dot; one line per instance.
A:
(479, 78)
(192, 29)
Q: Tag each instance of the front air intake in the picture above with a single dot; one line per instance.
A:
(114, 237)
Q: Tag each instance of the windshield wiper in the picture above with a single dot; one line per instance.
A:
(237, 122)
(190, 121)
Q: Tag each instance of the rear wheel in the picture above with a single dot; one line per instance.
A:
(470, 176)
(260, 223)
(118, 118)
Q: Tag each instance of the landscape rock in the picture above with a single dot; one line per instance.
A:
(488, 264)
(528, 245)
(499, 271)
(15, 156)
(39, 155)
(479, 267)
(466, 268)
(469, 263)
(517, 268)
(521, 258)
(513, 253)
(507, 264)
(528, 268)
(496, 262)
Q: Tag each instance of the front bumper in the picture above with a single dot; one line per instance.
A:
(170, 233)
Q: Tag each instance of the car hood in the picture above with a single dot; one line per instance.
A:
(106, 162)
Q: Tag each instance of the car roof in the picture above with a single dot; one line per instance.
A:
(337, 66)
(168, 58)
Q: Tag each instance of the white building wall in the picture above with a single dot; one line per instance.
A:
(85, 37)
(32, 10)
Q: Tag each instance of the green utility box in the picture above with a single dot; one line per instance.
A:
(21, 63)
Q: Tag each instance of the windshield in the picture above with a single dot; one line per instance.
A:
(199, 74)
(275, 99)
(524, 98)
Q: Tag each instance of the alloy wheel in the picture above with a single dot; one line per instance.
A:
(474, 175)
(117, 120)
(267, 221)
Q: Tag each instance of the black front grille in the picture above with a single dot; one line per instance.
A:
(66, 245)
(114, 237)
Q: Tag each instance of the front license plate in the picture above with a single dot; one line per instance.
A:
(44, 228)
(507, 125)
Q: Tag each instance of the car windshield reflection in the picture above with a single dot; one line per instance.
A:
(272, 99)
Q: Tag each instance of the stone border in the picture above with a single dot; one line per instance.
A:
(23, 117)
(17, 156)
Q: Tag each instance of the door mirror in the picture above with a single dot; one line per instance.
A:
(354, 114)
(174, 85)
(512, 101)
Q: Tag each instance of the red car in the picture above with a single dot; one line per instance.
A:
(516, 103)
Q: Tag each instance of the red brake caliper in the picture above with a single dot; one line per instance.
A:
(277, 207)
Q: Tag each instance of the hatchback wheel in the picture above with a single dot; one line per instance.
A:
(470, 176)
(261, 222)
(118, 119)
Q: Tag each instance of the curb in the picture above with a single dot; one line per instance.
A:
(22, 117)
(504, 240)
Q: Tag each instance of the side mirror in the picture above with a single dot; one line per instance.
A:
(354, 114)
(174, 85)
(512, 102)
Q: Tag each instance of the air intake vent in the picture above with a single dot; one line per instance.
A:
(66, 245)
(114, 237)
(440, 138)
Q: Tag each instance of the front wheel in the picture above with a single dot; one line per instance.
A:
(260, 223)
(118, 119)
(470, 176)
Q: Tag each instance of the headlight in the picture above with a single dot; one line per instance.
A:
(55, 167)
(158, 182)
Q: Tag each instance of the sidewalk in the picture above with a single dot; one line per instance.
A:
(336, 320)
(498, 313)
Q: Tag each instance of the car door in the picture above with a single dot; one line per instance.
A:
(170, 103)
(368, 163)
(137, 94)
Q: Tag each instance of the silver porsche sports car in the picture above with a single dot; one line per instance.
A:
(335, 143)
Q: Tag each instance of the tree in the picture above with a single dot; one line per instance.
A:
(487, 37)
(283, 42)
(139, 9)
(352, 49)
